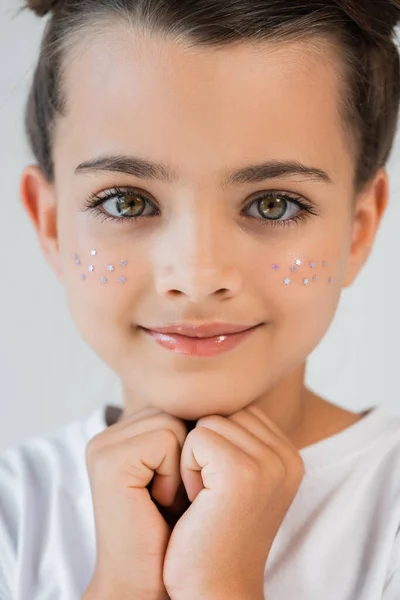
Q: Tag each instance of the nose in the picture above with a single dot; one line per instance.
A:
(198, 260)
(197, 283)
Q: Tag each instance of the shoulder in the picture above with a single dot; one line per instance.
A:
(38, 477)
(38, 462)
(379, 480)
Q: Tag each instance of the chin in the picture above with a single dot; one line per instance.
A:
(196, 411)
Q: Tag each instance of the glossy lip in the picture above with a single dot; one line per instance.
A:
(204, 330)
(199, 346)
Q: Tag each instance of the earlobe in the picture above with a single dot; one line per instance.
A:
(39, 200)
(368, 212)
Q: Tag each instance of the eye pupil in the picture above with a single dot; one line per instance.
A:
(274, 208)
(127, 202)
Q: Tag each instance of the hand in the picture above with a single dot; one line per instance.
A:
(241, 474)
(131, 534)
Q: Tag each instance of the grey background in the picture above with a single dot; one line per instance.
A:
(49, 376)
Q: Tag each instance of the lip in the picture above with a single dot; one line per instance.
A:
(204, 330)
(199, 346)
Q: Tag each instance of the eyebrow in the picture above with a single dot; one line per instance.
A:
(253, 173)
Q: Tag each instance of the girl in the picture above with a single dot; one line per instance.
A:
(210, 175)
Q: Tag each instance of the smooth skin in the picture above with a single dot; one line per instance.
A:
(205, 256)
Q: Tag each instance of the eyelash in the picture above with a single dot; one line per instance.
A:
(95, 200)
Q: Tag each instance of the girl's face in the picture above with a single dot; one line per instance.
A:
(208, 245)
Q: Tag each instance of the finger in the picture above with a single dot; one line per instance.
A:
(167, 476)
(140, 423)
(268, 449)
(252, 423)
(136, 460)
(236, 433)
(146, 413)
(211, 461)
(258, 412)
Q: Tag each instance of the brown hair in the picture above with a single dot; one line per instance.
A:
(364, 31)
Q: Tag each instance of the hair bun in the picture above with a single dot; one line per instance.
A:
(42, 7)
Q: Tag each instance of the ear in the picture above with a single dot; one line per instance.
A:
(39, 200)
(370, 206)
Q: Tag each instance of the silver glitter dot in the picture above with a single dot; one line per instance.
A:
(306, 281)
(91, 268)
(94, 252)
(298, 262)
(83, 277)
(312, 265)
(124, 263)
(103, 280)
(78, 262)
(110, 268)
(122, 279)
(330, 280)
(294, 269)
(314, 278)
(287, 281)
(324, 263)
(76, 256)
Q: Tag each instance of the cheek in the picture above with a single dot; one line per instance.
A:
(297, 293)
(95, 269)
(98, 275)
(103, 285)
(303, 276)
(302, 291)
(100, 278)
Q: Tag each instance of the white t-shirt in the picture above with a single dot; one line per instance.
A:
(340, 539)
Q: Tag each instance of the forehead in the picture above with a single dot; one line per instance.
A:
(201, 109)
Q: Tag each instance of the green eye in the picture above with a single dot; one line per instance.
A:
(121, 206)
(128, 205)
(273, 208)
(280, 208)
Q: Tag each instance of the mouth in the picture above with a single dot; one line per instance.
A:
(201, 330)
(200, 345)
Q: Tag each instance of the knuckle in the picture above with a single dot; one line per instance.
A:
(100, 466)
(180, 431)
(93, 447)
(289, 471)
(275, 468)
(210, 420)
(298, 468)
(169, 437)
(102, 461)
(250, 469)
(202, 434)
